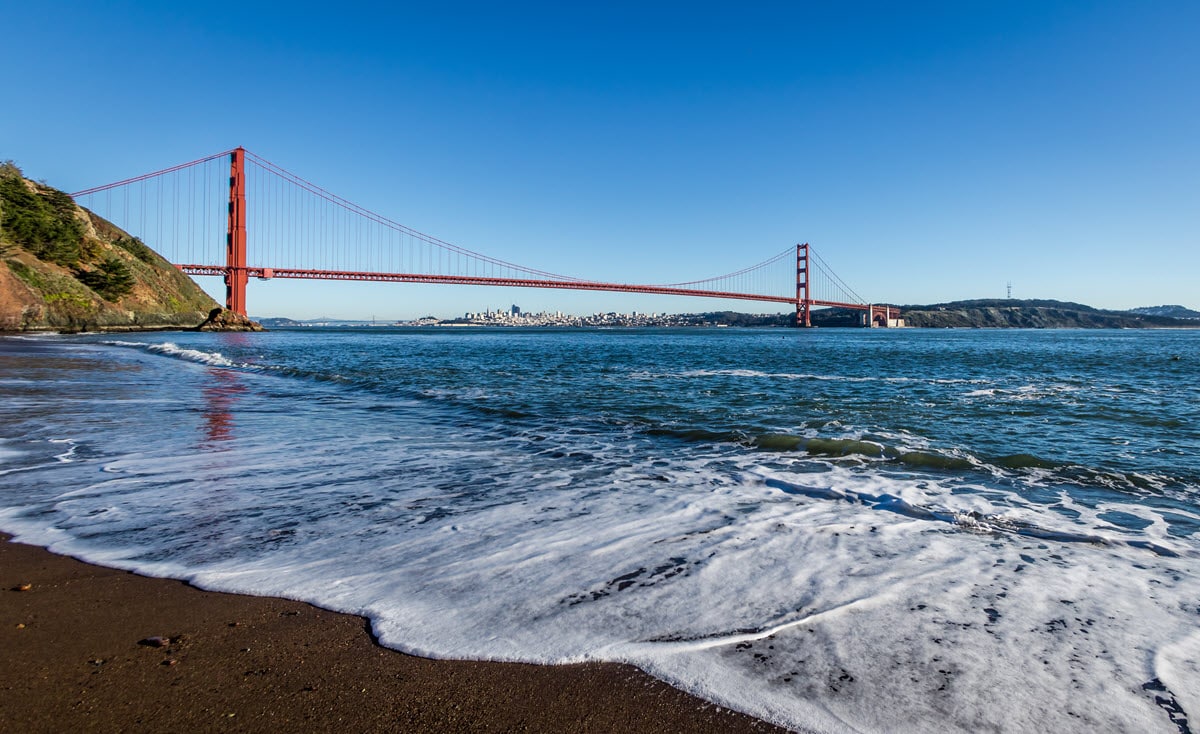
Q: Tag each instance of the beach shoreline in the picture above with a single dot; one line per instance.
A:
(81, 653)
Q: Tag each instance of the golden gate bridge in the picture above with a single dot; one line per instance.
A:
(196, 214)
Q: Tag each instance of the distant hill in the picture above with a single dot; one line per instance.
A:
(1030, 314)
(64, 268)
(276, 322)
(982, 313)
(282, 322)
(1174, 312)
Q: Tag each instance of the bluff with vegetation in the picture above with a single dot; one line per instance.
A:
(1031, 314)
(66, 269)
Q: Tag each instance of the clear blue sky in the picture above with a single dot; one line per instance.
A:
(930, 151)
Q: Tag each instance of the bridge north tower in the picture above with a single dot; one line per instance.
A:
(236, 277)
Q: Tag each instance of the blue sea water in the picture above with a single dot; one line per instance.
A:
(859, 530)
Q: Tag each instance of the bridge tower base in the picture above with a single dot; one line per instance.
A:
(236, 277)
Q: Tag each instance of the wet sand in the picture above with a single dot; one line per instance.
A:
(78, 655)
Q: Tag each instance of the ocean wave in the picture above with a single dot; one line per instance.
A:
(170, 349)
(746, 545)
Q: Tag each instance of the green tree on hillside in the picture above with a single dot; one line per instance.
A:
(137, 248)
(111, 279)
(8, 169)
(43, 222)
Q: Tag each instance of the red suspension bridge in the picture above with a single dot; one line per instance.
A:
(196, 215)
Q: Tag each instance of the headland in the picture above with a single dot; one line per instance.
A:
(63, 268)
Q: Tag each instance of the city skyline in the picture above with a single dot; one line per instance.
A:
(930, 153)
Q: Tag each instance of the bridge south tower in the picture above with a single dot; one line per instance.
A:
(803, 316)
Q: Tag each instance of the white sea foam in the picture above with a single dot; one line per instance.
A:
(820, 594)
(68, 455)
(824, 612)
(14, 458)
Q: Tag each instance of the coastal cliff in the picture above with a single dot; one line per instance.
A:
(63, 268)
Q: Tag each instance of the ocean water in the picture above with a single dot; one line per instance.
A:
(860, 530)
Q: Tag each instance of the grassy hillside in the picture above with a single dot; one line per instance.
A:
(64, 268)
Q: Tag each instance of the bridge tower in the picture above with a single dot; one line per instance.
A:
(803, 317)
(236, 277)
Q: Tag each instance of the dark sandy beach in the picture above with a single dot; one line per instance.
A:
(78, 656)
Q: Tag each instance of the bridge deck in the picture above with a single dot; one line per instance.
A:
(583, 285)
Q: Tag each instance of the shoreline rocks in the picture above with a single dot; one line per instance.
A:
(222, 319)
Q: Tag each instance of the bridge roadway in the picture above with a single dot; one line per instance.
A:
(582, 285)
